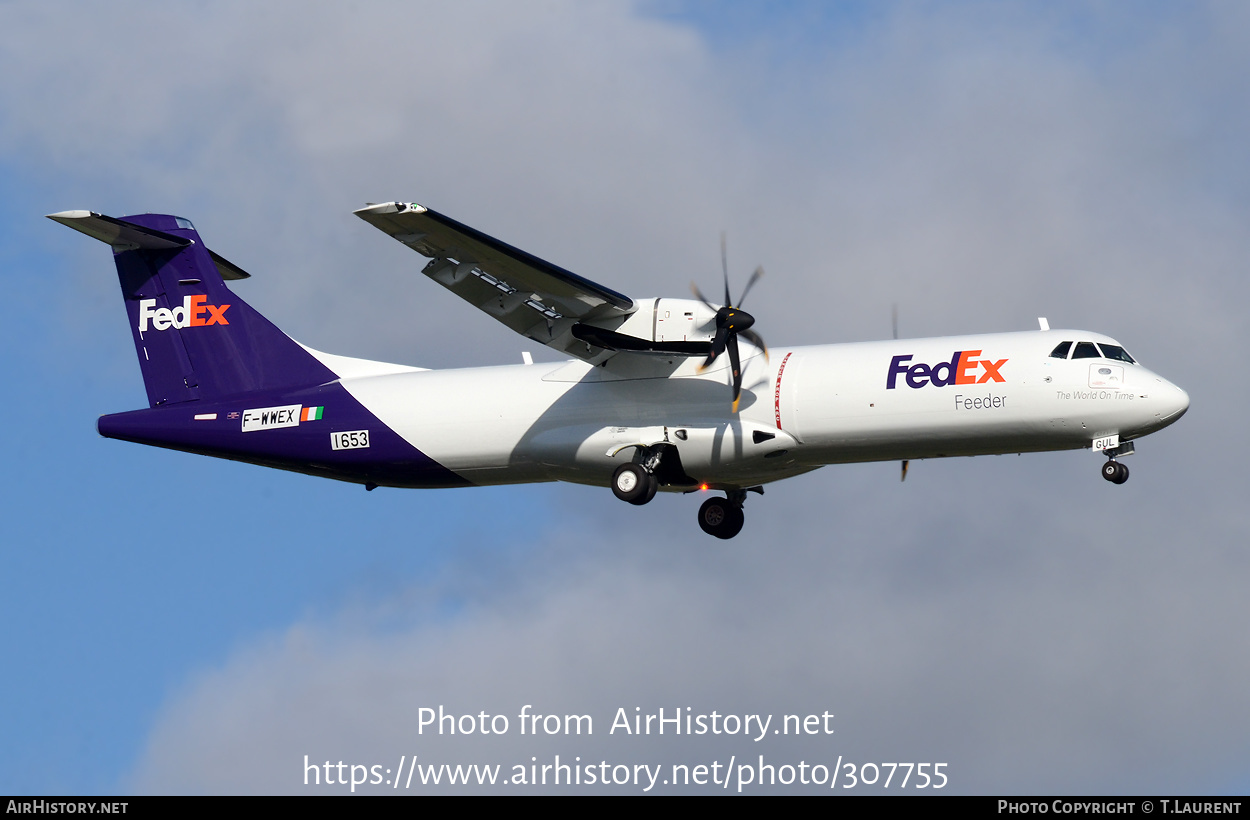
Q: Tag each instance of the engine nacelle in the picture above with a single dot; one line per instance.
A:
(671, 320)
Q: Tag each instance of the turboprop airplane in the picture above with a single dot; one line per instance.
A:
(678, 395)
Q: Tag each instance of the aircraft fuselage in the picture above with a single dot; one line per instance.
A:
(802, 408)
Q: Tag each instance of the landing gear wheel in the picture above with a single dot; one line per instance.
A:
(634, 484)
(1115, 472)
(653, 485)
(721, 517)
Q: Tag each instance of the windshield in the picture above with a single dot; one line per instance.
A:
(1115, 352)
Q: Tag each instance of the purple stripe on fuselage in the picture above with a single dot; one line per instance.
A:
(284, 441)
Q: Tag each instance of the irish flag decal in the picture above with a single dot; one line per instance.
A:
(311, 414)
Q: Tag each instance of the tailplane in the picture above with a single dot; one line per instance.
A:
(195, 338)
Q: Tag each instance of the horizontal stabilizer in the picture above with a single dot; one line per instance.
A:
(121, 235)
(124, 236)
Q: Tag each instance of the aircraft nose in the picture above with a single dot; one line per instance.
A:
(1175, 403)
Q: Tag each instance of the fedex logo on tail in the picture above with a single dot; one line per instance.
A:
(191, 313)
(963, 368)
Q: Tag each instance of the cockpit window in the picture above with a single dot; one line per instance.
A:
(1061, 352)
(183, 223)
(1115, 352)
(1085, 350)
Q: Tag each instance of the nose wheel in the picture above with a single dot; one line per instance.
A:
(634, 483)
(1115, 472)
(721, 517)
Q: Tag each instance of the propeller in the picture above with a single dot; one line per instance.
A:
(894, 320)
(731, 322)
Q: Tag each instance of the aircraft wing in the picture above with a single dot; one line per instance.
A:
(537, 299)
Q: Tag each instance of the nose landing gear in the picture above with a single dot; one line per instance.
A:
(1115, 472)
(1112, 470)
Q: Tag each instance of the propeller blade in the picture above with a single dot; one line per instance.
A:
(755, 339)
(736, 366)
(724, 267)
(754, 278)
(718, 345)
(698, 294)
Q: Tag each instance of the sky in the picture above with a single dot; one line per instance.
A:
(178, 624)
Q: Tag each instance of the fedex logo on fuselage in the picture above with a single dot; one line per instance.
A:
(963, 368)
(191, 313)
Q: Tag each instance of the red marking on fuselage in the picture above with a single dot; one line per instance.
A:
(777, 390)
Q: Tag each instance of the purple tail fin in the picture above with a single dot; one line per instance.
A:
(194, 337)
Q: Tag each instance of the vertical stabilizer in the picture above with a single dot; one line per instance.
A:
(194, 337)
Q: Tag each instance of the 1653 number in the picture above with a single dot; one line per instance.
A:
(350, 440)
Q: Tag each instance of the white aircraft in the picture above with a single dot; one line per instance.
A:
(674, 395)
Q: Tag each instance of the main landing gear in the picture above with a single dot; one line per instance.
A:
(636, 482)
(1115, 472)
(723, 517)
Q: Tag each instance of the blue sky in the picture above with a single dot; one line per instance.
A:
(184, 624)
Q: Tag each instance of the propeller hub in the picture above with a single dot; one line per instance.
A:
(734, 319)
